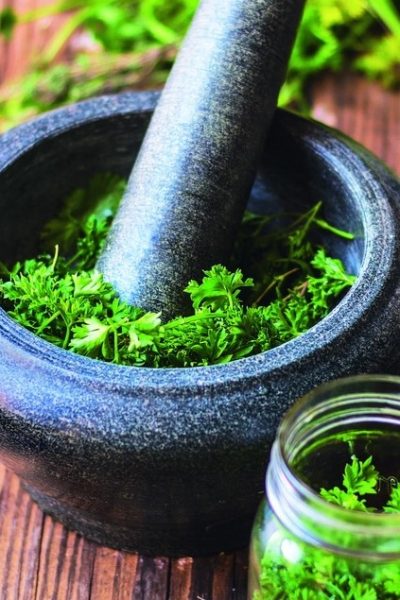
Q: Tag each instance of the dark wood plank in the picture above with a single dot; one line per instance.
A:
(222, 582)
(180, 578)
(239, 588)
(362, 110)
(56, 560)
(20, 538)
(212, 578)
(76, 569)
(152, 580)
(202, 579)
(29, 41)
(114, 575)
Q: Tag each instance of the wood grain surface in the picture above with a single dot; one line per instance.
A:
(362, 110)
(29, 40)
(39, 559)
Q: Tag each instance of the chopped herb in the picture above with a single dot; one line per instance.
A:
(61, 297)
(322, 575)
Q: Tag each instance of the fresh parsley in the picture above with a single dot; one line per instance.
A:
(60, 296)
(318, 574)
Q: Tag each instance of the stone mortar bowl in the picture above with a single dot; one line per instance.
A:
(171, 461)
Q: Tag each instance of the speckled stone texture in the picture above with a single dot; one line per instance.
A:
(172, 461)
(192, 179)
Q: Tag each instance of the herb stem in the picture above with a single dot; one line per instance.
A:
(46, 323)
(347, 235)
(192, 319)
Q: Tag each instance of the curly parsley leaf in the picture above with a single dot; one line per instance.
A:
(64, 299)
(320, 575)
(86, 213)
(219, 289)
(360, 477)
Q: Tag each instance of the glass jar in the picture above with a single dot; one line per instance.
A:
(342, 543)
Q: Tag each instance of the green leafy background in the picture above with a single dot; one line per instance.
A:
(136, 42)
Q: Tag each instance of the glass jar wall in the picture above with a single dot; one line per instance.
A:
(329, 528)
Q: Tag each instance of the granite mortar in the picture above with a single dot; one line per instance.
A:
(172, 461)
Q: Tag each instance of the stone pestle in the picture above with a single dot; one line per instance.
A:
(189, 186)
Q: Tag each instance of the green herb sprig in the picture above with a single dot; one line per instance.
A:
(61, 297)
(323, 575)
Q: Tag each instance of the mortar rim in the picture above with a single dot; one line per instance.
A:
(358, 301)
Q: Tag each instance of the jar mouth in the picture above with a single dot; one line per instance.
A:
(343, 404)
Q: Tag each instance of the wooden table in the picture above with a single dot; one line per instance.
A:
(41, 560)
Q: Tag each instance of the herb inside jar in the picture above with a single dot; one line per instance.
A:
(298, 571)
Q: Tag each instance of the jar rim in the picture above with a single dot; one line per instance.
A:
(304, 511)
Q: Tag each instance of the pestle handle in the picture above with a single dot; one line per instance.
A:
(189, 187)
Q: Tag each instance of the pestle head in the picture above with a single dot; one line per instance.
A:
(189, 186)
